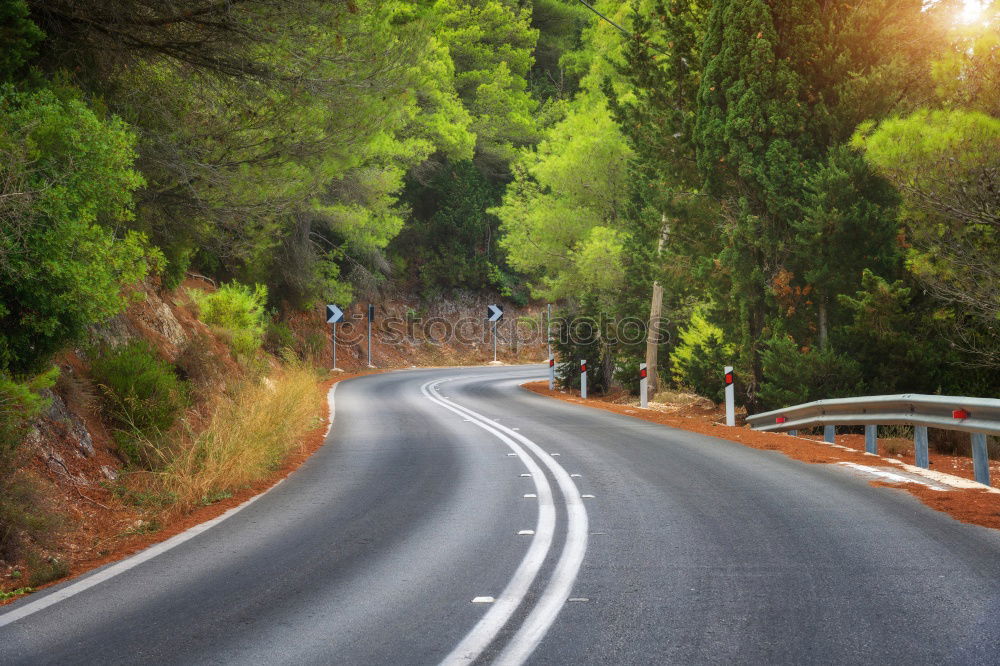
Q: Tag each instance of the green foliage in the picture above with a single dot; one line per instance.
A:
(279, 337)
(576, 336)
(20, 402)
(19, 36)
(944, 164)
(491, 44)
(142, 396)
(452, 239)
(23, 516)
(561, 215)
(64, 260)
(700, 356)
(237, 311)
(794, 376)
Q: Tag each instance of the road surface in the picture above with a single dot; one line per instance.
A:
(584, 537)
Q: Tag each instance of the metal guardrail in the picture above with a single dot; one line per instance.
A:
(978, 416)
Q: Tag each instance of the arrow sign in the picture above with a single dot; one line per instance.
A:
(494, 313)
(334, 314)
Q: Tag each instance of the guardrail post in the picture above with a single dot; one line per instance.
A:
(980, 460)
(583, 379)
(829, 433)
(793, 433)
(871, 439)
(920, 450)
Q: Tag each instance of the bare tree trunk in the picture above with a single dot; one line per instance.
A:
(655, 312)
(824, 335)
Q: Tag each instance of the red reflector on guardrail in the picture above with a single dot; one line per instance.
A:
(780, 419)
(960, 414)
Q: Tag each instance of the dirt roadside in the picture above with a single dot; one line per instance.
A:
(973, 506)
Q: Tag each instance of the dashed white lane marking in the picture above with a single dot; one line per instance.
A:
(73, 589)
(483, 600)
(529, 495)
(483, 633)
(525, 475)
(555, 454)
(555, 594)
(509, 455)
(578, 599)
(575, 476)
(587, 496)
(525, 532)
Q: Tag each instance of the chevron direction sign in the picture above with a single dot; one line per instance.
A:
(334, 314)
(494, 313)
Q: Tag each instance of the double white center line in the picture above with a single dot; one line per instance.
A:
(560, 585)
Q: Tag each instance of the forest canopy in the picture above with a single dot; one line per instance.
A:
(811, 186)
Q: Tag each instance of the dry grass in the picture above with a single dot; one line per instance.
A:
(247, 437)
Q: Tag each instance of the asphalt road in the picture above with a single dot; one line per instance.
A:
(647, 546)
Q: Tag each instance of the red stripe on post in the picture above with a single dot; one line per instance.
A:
(642, 373)
(729, 379)
(552, 362)
(583, 367)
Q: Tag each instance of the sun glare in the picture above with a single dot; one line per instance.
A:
(971, 12)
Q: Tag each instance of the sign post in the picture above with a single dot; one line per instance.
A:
(334, 315)
(643, 386)
(583, 379)
(371, 318)
(730, 397)
(552, 372)
(494, 314)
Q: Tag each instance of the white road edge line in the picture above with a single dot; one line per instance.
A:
(501, 610)
(560, 585)
(895, 478)
(73, 589)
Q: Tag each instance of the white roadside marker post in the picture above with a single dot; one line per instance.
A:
(730, 397)
(643, 386)
(552, 372)
(583, 379)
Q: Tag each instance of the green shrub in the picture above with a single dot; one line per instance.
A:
(627, 375)
(143, 397)
(23, 515)
(26, 515)
(700, 356)
(237, 312)
(577, 336)
(20, 401)
(279, 337)
(792, 376)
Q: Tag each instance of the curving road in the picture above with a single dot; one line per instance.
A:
(583, 537)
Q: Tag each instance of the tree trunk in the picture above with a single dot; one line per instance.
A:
(655, 311)
(824, 336)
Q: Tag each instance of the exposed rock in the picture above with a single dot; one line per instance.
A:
(163, 321)
(60, 423)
